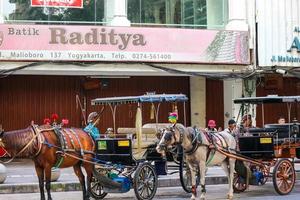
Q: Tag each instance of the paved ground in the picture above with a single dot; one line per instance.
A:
(21, 178)
(214, 192)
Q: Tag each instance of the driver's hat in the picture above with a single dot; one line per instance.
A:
(92, 116)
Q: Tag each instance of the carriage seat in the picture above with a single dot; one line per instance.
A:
(148, 136)
(284, 130)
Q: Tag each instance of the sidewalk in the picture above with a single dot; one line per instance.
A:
(21, 178)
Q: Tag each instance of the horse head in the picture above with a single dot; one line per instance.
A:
(1, 135)
(170, 137)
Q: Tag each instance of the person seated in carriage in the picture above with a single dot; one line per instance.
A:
(246, 124)
(281, 120)
(91, 128)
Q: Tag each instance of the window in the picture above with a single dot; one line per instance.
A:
(171, 13)
(179, 13)
(21, 10)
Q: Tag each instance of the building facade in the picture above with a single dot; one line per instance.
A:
(278, 55)
(56, 57)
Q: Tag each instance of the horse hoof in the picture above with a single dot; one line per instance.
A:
(229, 197)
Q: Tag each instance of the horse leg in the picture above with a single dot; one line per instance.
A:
(48, 181)
(230, 177)
(40, 173)
(227, 169)
(202, 168)
(193, 179)
(89, 173)
(78, 172)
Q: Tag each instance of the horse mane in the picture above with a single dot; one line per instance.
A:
(18, 139)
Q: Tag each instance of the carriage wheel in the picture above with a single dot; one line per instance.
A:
(239, 184)
(145, 182)
(185, 176)
(96, 187)
(284, 177)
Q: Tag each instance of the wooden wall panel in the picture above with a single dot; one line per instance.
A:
(26, 98)
(215, 102)
(273, 111)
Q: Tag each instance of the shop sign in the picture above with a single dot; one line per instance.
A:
(278, 34)
(292, 55)
(133, 44)
(57, 3)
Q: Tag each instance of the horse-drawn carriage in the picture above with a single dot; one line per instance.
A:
(126, 155)
(118, 164)
(272, 147)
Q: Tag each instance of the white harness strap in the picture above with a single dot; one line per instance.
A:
(78, 140)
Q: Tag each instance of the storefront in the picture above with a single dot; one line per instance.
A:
(59, 58)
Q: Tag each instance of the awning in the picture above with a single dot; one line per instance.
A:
(148, 98)
(119, 69)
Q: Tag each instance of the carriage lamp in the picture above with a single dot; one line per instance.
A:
(104, 82)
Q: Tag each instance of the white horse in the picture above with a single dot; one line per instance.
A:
(200, 149)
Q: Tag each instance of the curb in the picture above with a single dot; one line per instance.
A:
(75, 186)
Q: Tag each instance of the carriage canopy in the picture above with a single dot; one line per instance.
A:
(267, 99)
(147, 98)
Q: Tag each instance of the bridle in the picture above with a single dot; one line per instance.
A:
(196, 141)
(171, 134)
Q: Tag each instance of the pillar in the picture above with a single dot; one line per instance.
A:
(237, 20)
(237, 15)
(1, 12)
(198, 101)
(116, 13)
(232, 90)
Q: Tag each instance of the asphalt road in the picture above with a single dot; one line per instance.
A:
(214, 192)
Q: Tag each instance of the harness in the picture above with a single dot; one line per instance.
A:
(196, 142)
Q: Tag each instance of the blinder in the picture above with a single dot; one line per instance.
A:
(1, 142)
(171, 134)
(168, 136)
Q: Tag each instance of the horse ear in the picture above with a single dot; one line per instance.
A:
(175, 126)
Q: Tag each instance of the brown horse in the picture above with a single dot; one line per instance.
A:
(43, 146)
